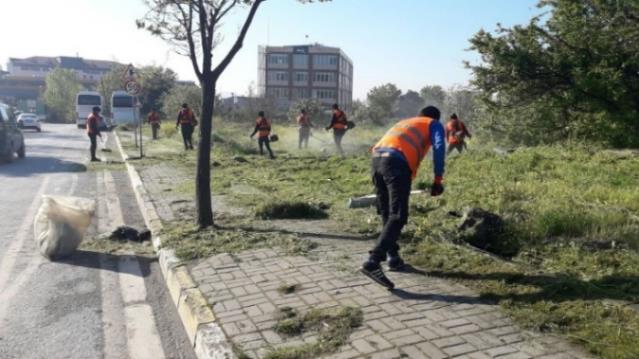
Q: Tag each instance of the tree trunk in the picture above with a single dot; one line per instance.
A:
(203, 176)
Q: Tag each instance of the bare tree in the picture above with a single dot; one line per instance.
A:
(194, 28)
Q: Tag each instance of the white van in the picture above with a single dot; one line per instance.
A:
(123, 109)
(84, 103)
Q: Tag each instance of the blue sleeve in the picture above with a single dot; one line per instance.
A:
(439, 147)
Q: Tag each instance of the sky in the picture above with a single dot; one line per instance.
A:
(411, 43)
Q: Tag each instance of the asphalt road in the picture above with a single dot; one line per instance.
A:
(90, 305)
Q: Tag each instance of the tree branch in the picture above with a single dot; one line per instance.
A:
(239, 42)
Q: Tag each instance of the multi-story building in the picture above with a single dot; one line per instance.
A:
(289, 73)
(39, 66)
(24, 81)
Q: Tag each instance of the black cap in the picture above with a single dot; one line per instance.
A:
(303, 110)
(431, 111)
(96, 109)
(335, 106)
(261, 113)
(184, 105)
(453, 116)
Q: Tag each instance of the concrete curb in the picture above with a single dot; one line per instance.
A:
(206, 336)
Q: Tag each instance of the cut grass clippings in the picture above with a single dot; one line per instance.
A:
(289, 210)
(190, 242)
(333, 325)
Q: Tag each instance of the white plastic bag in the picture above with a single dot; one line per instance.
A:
(61, 223)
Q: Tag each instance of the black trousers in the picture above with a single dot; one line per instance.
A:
(392, 179)
(265, 142)
(187, 136)
(94, 144)
(155, 127)
(338, 134)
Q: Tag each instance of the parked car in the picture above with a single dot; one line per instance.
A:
(29, 120)
(11, 139)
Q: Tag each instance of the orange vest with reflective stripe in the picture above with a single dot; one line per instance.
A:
(186, 117)
(263, 127)
(340, 120)
(411, 137)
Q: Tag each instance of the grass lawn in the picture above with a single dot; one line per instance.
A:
(571, 217)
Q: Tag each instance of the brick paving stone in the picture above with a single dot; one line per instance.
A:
(431, 351)
(387, 354)
(448, 342)
(363, 346)
(412, 352)
(458, 350)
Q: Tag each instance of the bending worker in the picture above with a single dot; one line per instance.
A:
(395, 160)
(305, 124)
(339, 125)
(263, 130)
(93, 130)
(456, 133)
(187, 122)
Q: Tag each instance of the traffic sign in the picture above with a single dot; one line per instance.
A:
(132, 88)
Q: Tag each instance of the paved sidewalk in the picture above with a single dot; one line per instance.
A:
(425, 318)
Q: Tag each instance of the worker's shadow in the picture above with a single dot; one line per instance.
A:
(108, 262)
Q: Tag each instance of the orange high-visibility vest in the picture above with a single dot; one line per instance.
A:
(303, 120)
(340, 120)
(263, 127)
(411, 137)
(453, 127)
(186, 117)
(93, 122)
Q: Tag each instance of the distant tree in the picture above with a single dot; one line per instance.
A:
(409, 104)
(382, 102)
(111, 81)
(179, 94)
(194, 27)
(156, 82)
(434, 96)
(314, 108)
(570, 73)
(61, 88)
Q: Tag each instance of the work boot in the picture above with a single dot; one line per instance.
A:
(95, 159)
(374, 271)
(396, 264)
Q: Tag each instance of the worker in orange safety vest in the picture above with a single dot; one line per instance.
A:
(186, 121)
(456, 133)
(395, 161)
(339, 124)
(93, 130)
(305, 124)
(263, 130)
(154, 120)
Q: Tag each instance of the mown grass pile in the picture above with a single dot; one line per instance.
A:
(571, 212)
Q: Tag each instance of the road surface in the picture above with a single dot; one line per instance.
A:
(91, 305)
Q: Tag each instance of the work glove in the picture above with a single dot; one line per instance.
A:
(437, 188)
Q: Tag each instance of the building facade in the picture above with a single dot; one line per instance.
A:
(23, 83)
(39, 66)
(290, 73)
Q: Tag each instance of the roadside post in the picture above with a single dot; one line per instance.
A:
(133, 88)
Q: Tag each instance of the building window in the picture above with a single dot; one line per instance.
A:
(278, 76)
(325, 60)
(324, 77)
(277, 59)
(325, 94)
(277, 92)
(301, 93)
(300, 61)
(300, 76)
